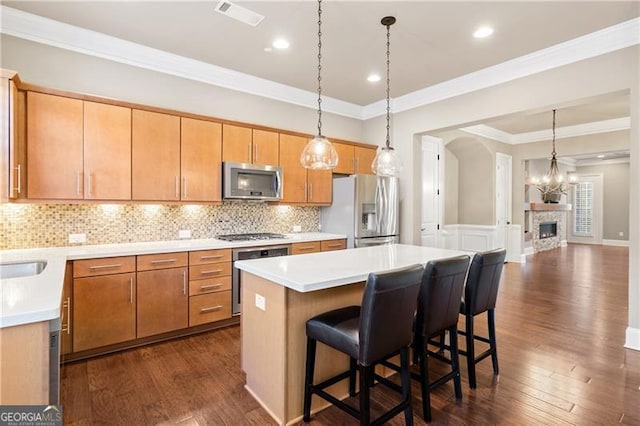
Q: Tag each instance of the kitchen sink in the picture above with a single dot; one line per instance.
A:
(21, 269)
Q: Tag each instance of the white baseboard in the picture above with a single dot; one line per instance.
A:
(632, 338)
(618, 243)
(523, 258)
(528, 250)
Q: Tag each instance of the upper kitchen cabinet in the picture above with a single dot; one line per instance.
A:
(302, 185)
(155, 156)
(200, 158)
(12, 141)
(107, 152)
(354, 159)
(54, 147)
(245, 145)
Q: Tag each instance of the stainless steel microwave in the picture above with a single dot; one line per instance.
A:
(243, 181)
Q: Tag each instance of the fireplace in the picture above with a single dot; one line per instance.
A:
(548, 229)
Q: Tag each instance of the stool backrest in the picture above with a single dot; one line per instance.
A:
(481, 291)
(386, 316)
(440, 295)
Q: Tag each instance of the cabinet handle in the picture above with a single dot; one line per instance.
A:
(310, 192)
(159, 261)
(184, 187)
(211, 309)
(115, 265)
(306, 248)
(67, 305)
(249, 153)
(213, 271)
(255, 153)
(176, 184)
(19, 169)
(213, 256)
(78, 178)
(334, 245)
(184, 282)
(210, 287)
(89, 183)
(131, 291)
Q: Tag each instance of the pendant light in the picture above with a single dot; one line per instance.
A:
(386, 162)
(319, 153)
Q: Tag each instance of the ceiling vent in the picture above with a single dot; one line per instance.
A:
(239, 13)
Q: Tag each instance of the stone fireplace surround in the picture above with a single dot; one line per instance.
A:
(548, 213)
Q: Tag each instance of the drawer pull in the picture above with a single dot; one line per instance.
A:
(155, 262)
(306, 248)
(213, 271)
(115, 265)
(334, 245)
(210, 287)
(211, 309)
(213, 256)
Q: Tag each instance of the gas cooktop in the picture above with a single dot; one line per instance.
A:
(250, 237)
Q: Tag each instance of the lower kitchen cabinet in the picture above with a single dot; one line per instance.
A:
(66, 341)
(304, 248)
(330, 245)
(209, 286)
(162, 301)
(210, 307)
(104, 310)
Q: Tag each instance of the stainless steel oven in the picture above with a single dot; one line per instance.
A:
(246, 253)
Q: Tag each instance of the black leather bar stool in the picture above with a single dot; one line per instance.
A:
(368, 334)
(480, 296)
(438, 305)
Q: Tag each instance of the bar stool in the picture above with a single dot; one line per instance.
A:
(368, 334)
(480, 296)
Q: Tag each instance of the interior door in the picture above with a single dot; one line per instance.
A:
(503, 198)
(585, 218)
(432, 191)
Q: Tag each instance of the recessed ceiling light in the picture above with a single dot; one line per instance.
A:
(600, 156)
(280, 43)
(483, 32)
(373, 78)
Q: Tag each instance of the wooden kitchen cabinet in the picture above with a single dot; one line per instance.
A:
(209, 286)
(200, 160)
(12, 141)
(246, 145)
(66, 319)
(354, 159)
(346, 160)
(306, 247)
(54, 147)
(107, 152)
(155, 156)
(363, 159)
(302, 185)
(330, 245)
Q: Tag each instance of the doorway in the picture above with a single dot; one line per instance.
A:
(432, 192)
(585, 220)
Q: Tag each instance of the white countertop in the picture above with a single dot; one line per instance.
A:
(318, 271)
(38, 298)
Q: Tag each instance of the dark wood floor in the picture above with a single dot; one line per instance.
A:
(561, 320)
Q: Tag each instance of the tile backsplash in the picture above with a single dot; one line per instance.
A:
(49, 225)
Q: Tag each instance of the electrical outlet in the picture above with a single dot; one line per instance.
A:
(77, 238)
(621, 234)
(297, 228)
(261, 302)
(184, 233)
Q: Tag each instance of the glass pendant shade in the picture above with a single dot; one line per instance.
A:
(319, 154)
(386, 162)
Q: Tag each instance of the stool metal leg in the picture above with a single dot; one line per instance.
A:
(471, 353)
(492, 339)
(308, 379)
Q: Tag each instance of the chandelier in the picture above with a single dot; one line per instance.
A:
(319, 153)
(386, 162)
(553, 184)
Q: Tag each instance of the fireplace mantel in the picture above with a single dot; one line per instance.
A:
(547, 207)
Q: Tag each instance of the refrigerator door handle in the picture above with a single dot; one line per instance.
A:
(378, 210)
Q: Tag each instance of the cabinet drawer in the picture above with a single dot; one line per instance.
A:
(162, 261)
(103, 266)
(209, 307)
(209, 285)
(330, 245)
(308, 247)
(209, 256)
(212, 270)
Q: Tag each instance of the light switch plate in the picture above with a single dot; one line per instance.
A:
(184, 233)
(77, 238)
(261, 303)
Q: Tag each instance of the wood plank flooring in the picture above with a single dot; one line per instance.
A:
(560, 320)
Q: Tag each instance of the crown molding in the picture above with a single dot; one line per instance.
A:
(42, 30)
(593, 128)
(604, 162)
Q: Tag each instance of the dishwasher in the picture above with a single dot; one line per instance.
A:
(247, 253)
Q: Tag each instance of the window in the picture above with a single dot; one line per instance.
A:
(583, 209)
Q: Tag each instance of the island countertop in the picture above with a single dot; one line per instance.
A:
(319, 271)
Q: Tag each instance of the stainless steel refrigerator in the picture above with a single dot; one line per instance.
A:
(365, 208)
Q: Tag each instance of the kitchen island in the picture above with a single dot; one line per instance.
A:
(281, 294)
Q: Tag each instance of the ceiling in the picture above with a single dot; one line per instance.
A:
(430, 43)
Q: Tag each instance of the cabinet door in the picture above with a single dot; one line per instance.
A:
(319, 186)
(201, 152)
(265, 147)
(304, 248)
(163, 303)
(107, 152)
(346, 160)
(364, 157)
(66, 342)
(155, 156)
(236, 144)
(331, 245)
(54, 147)
(104, 310)
(295, 176)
